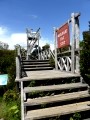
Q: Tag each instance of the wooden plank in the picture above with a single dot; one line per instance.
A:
(57, 98)
(87, 119)
(47, 60)
(39, 68)
(39, 65)
(57, 111)
(54, 87)
(33, 63)
(47, 75)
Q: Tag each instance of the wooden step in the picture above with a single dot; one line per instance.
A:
(87, 119)
(55, 87)
(35, 60)
(57, 98)
(57, 111)
(47, 75)
(38, 68)
(33, 63)
(39, 65)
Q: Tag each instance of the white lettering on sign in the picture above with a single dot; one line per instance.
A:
(61, 38)
(62, 33)
(62, 43)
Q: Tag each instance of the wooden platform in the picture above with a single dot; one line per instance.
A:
(57, 111)
(46, 75)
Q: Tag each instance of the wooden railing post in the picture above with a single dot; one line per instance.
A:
(77, 44)
(73, 43)
(18, 63)
(22, 101)
(18, 68)
(55, 44)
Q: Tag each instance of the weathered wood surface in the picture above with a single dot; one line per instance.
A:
(57, 111)
(46, 75)
(40, 65)
(57, 98)
(54, 87)
(38, 68)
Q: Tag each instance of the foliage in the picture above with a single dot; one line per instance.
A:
(11, 72)
(9, 111)
(63, 49)
(52, 62)
(7, 66)
(76, 116)
(7, 57)
(46, 47)
(13, 112)
(32, 84)
(85, 57)
(10, 95)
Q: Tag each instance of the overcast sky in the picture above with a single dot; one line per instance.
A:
(17, 15)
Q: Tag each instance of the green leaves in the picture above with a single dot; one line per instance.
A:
(85, 57)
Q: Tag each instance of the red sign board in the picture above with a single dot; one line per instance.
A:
(63, 38)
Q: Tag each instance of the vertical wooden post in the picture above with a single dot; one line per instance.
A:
(55, 47)
(27, 43)
(22, 101)
(18, 64)
(38, 49)
(73, 43)
(18, 68)
(67, 65)
(77, 43)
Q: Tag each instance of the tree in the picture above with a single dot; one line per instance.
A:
(46, 47)
(3, 46)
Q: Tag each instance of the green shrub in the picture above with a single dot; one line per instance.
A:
(10, 95)
(85, 57)
(52, 62)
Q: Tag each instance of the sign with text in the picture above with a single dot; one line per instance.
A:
(3, 79)
(63, 38)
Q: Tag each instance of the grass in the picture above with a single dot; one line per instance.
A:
(9, 111)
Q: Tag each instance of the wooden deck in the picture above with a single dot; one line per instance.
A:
(46, 75)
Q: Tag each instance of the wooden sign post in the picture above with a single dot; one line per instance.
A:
(62, 39)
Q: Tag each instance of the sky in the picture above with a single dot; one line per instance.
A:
(17, 15)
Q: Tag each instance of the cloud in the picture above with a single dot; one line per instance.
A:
(20, 38)
(3, 30)
(33, 16)
(13, 38)
(44, 41)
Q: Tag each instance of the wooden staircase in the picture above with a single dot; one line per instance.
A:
(33, 65)
(51, 96)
